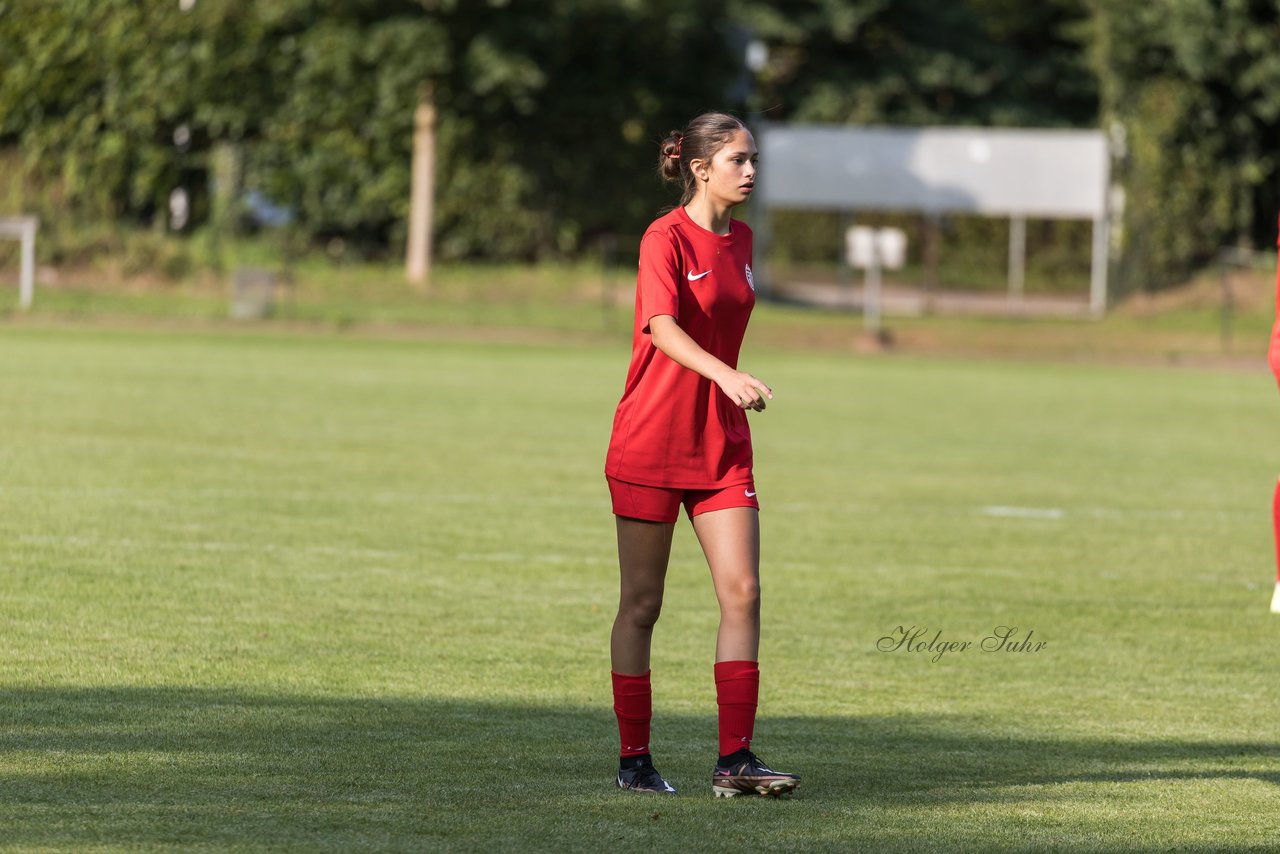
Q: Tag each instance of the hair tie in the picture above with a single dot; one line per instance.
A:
(679, 137)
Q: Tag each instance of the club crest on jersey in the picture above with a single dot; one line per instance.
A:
(751, 284)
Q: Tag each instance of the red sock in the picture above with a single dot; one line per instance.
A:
(633, 704)
(737, 694)
(1275, 512)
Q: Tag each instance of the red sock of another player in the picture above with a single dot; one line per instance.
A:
(1275, 512)
(633, 704)
(737, 694)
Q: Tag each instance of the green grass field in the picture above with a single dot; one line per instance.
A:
(271, 591)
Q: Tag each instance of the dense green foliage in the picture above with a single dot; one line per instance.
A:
(917, 62)
(537, 144)
(1195, 86)
(549, 109)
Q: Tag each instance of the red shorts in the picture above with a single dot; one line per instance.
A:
(662, 503)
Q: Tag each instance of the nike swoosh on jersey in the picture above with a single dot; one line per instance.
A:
(749, 493)
(694, 278)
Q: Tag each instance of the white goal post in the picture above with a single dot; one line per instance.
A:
(23, 228)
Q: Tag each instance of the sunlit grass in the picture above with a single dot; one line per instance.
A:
(315, 592)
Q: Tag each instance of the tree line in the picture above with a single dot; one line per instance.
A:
(550, 109)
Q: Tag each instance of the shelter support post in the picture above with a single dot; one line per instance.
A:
(1017, 256)
(871, 298)
(1098, 271)
(762, 234)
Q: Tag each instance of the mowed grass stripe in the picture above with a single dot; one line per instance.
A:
(300, 592)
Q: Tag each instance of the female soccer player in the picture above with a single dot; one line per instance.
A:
(680, 436)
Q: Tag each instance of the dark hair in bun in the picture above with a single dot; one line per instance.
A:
(704, 136)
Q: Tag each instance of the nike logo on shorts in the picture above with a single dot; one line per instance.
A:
(749, 493)
(694, 278)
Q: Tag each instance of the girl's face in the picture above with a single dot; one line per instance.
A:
(730, 176)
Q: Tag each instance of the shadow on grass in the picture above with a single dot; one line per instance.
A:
(209, 769)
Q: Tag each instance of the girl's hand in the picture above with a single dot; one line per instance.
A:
(745, 390)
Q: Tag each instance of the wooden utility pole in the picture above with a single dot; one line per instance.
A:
(422, 189)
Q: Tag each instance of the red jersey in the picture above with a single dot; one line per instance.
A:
(674, 427)
(1273, 354)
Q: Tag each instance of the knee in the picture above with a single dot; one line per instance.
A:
(743, 597)
(642, 611)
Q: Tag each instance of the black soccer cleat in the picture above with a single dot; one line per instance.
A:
(643, 777)
(745, 774)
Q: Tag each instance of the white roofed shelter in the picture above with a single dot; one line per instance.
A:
(996, 172)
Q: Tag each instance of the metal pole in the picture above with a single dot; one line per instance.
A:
(1098, 273)
(871, 297)
(1227, 302)
(761, 227)
(27, 284)
(846, 279)
(1017, 256)
(607, 245)
(932, 243)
